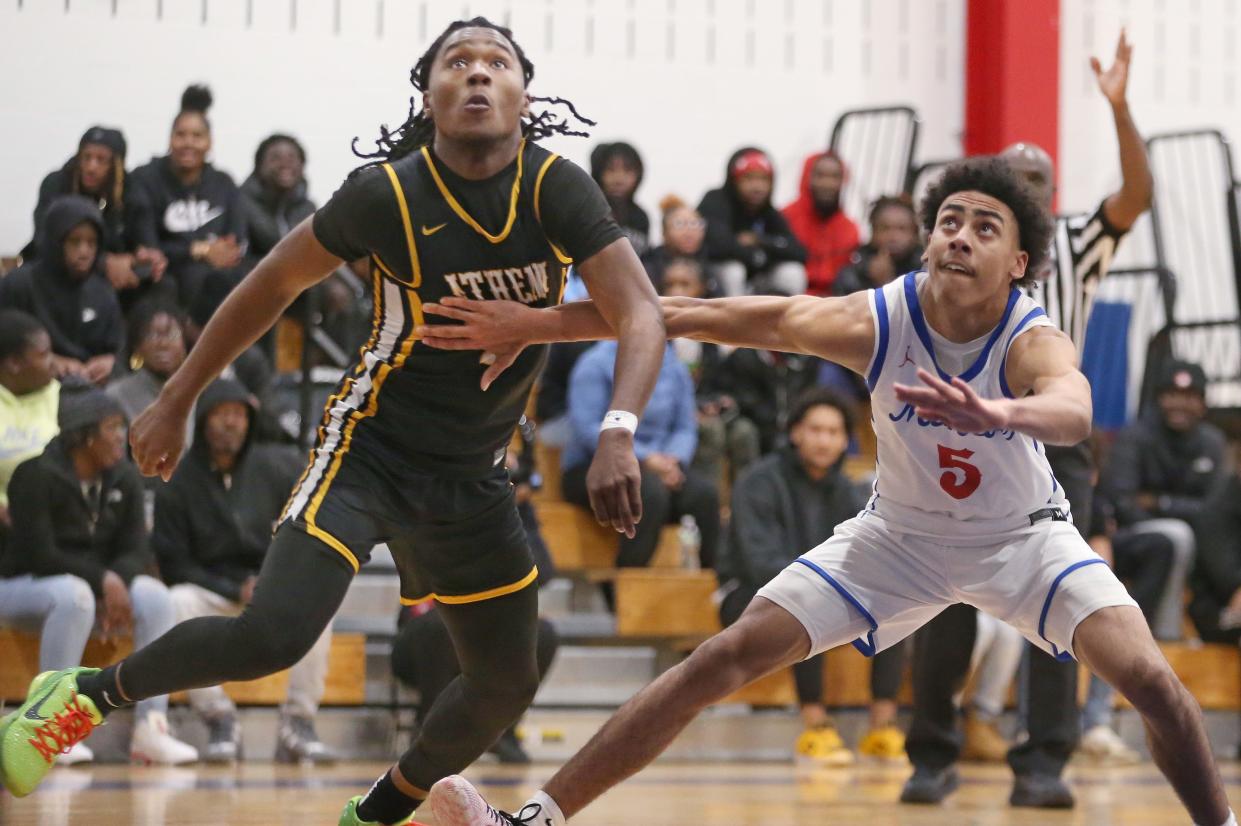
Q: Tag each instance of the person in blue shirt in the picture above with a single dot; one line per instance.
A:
(664, 443)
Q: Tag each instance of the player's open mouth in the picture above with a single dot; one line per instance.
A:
(956, 266)
(477, 103)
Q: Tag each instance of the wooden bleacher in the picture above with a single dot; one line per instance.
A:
(19, 652)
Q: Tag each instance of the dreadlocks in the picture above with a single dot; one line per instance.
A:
(418, 129)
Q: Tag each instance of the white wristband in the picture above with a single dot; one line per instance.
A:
(619, 418)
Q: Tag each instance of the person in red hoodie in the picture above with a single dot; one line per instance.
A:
(829, 236)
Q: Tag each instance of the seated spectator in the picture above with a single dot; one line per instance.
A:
(685, 232)
(157, 348)
(1143, 561)
(827, 234)
(77, 510)
(1161, 471)
(722, 433)
(98, 172)
(893, 249)
(750, 244)
(664, 444)
(273, 198)
(1216, 605)
(66, 292)
(423, 655)
(213, 523)
(617, 168)
(189, 209)
(785, 503)
(764, 385)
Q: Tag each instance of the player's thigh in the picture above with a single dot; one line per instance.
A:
(866, 585)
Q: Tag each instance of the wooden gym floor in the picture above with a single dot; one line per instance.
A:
(665, 795)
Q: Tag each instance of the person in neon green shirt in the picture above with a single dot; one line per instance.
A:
(29, 397)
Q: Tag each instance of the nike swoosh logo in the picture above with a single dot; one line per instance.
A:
(432, 230)
(32, 713)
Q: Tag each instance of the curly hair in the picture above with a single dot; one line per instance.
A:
(992, 176)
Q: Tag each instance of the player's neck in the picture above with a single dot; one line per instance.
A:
(476, 161)
(957, 318)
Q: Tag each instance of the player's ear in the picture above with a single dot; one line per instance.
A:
(426, 105)
(525, 105)
(1018, 270)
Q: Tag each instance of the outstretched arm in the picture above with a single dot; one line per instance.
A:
(1053, 401)
(1123, 207)
(838, 329)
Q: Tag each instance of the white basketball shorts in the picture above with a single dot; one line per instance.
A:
(873, 586)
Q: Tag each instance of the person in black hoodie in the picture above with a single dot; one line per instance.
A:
(747, 237)
(97, 170)
(213, 523)
(186, 207)
(273, 198)
(67, 293)
(77, 509)
(617, 168)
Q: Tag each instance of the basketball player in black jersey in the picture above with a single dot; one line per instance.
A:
(459, 202)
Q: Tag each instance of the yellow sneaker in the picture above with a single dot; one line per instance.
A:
(822, 746)
(886, 743)
(983, 741)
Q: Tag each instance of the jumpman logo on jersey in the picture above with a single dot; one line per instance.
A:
(908, 358)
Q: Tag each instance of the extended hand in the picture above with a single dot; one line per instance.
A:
(1115, 80)
(491, 326)
(157, 438)
(955, 404)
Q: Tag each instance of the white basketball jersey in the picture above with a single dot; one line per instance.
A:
(933, 480)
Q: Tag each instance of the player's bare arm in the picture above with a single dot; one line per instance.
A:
(299, 261)
(837, 329)
(1053, 401)
(627, 303)
(1124, 206)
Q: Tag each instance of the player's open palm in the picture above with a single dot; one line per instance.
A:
(954, 403)
(614, 482)
(157, 437)
(1114, 81)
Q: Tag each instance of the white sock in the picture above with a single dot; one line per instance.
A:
(1231, 821)
(549, 807)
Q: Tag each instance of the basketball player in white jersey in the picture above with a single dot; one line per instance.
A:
(968, 382)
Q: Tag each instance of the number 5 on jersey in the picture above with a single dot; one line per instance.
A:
(959, 479)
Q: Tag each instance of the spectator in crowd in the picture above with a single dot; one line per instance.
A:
(213, 523)
(1161, 471)
(787, 501)
(551, 406)
(77, 510)
(828, 235)
(1216, 605)
(764, 385)
(97, 171)
(723, 435)
(66, 292)
(423, 655)
(893, 249)
(617, 168)
(664, 443)
(188, 208)
(1144, 562)
(273, 198)
(61, 608)
(157, 348)
(684, 233)
(748, 240)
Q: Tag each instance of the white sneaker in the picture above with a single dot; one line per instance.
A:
(454, 802)
(152, 743)
(77, 753)
(1105, 746)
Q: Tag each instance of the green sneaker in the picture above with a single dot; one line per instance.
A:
(53, 718)
(349, 817)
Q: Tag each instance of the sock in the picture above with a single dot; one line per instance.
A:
(385, 803)
(104, 690)
(1232, 819)
(549, 807)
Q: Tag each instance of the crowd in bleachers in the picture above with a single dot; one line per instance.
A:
(745, 449)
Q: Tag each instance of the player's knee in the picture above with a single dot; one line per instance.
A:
(265, 650)
(728, 659)
(1151, 685)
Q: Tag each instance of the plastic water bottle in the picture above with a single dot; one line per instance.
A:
(691, 540)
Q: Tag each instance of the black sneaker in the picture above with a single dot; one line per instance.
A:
(297, 742)
(223, 739)
(454, 802)
(508, 749)
(1041, 791)
(930, 786)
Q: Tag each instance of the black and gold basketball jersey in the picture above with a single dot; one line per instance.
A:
(428, 234)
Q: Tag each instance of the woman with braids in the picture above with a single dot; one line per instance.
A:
(459, 201)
